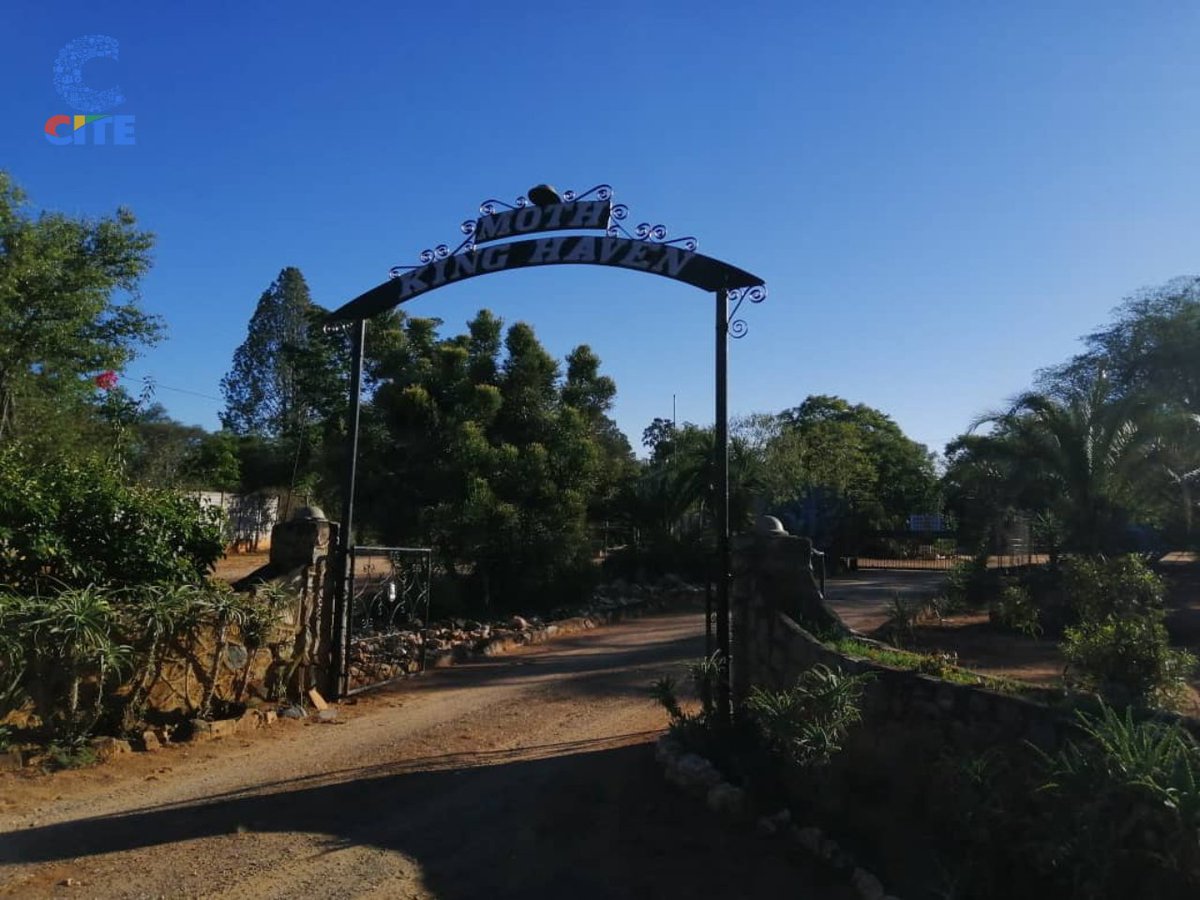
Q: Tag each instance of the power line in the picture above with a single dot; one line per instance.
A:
(167, 387)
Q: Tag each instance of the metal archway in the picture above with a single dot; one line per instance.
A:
(489, 247)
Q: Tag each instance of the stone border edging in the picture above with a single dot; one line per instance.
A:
(699, 777)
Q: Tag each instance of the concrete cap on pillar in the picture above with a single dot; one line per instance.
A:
(769, 525)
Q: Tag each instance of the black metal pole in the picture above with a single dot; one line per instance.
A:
(721, 490)
(341, 594)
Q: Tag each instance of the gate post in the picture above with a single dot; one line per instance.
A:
(721, 501)
(345, 538)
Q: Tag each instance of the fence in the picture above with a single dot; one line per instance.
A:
(1009, 545)
(388, 614)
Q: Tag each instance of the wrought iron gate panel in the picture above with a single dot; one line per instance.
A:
(387, 616)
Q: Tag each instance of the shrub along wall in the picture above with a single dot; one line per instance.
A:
(896, 787)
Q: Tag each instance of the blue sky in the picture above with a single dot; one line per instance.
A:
(942, 197)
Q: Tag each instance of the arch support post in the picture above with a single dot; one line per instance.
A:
(342, 578)
(721, 502)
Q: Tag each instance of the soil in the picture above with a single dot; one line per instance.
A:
(237, 566)
(530, 775)
(862, 601)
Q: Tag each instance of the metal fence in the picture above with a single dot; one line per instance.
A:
(1007, 548)
(387, 615)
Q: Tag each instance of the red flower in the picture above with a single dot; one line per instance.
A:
(106, 381)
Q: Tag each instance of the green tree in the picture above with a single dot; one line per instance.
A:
(474, 443)
(68, 308)
(1083, 458)
(263, 393)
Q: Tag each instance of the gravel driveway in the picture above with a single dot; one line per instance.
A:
(531, 775)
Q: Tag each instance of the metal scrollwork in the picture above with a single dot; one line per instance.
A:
(755, 294)
(645, 231)
(441, 251)
(601, 191)
(619, 213)
(491, 207)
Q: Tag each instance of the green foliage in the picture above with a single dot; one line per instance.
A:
(70, 753)
(903, 615)
(69, 651)
(693, 730)
(1099, 587)
(79, 523)
(73, 654)
(971, 584)
(808, 723)
(1124, 816)
(68, 311)
(261, 390)
(1128, 659)
(473, 444)
(1120, 647)
(940, 665)
(1016, 611)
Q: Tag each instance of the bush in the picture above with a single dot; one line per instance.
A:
(87, 657)
(692, 730)
(1098, 587)
(73, 524)
(1112, 813)
(1127, 659)
(971, 583)
(1015, 611)
(808, 723)
(1124, 816)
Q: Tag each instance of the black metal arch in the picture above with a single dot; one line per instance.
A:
(644, 249)
(677, 263)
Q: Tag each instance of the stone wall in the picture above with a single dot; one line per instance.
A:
(295, 654)
(892, 787)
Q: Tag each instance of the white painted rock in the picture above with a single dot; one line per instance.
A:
(696, 770)
(726, 799)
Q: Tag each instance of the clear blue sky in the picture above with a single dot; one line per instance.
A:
(942, 197)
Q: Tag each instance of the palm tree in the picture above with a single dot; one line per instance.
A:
(1083, 456)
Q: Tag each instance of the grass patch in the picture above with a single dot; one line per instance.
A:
(939, 665)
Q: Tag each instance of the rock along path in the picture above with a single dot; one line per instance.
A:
(529, 775)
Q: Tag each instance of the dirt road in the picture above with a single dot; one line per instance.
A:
(531, 775)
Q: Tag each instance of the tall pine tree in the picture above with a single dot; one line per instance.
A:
(263, 390)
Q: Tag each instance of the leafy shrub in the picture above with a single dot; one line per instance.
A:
(808, 723)
(77, 523)
(1124, 813)
(903, 615)
(70, 754)
(1015, 611)
(971, 583)
(1098, 587)
(72, 653)
(69, 652)
(692, 730)
(1128, 659)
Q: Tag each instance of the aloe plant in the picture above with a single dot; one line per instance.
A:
(157, 614)
(226, 608)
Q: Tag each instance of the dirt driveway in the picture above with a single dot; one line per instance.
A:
(531, 775)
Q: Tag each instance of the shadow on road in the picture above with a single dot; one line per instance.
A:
(584, 819)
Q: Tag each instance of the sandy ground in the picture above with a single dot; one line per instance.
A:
(531, 775)
(862, 601)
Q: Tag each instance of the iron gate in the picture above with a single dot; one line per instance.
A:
(387, 618)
